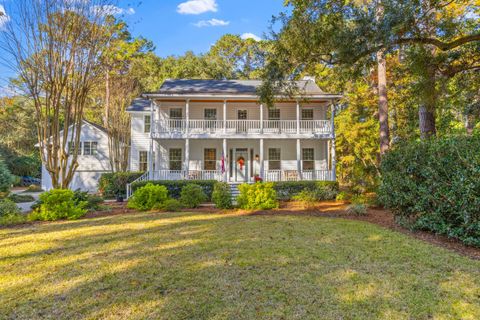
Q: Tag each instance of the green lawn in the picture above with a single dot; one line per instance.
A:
(213, 266)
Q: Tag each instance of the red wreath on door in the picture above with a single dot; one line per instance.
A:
(241, 162)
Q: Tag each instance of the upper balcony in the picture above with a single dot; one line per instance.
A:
(181, 128)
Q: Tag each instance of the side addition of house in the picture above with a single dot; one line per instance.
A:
(217, 129)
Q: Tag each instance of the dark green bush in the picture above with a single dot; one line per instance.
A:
(257, 196)
(10, 213)
(359, 209)
(192, 196)
(6, 178)
(435, 185)
(111, 185)
(148, 197)
(93, 202)
(325, 190)
(171, 205)
(222, 195)
(307, 198)
(175, 187)
(20, 198)
(58, 204)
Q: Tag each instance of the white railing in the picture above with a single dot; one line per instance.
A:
(143, 177)
(205, 175)
(315, 126)
(280, 126)
(293, 175)
(242, 126)
(169, 175)
(205, 126)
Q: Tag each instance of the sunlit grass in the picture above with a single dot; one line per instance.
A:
(229, 266)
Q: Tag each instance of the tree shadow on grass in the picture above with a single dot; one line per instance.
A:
(197, 266)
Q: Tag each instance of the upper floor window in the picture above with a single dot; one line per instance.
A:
(71, 148)
(90, 148)
(143, 161)
(273, 114)
(307, 114)
(147, 123)
(274, 159)
(308, 159)
(210, 159)
(176, 113)
(175, 159)
(242, 115)
(210, 114)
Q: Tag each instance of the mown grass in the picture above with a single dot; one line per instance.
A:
(230, 266)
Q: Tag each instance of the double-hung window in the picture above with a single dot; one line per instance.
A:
(90, 148)
(176, 116)
(274, 159)
(210, 114)
(307, 114)
(175, 159)
(273, 114)
(147, 124)
(143, 161)
(210, 159)
(308, 159)
(71, 148)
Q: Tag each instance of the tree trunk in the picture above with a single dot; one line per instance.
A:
(383, 103)
(427, 123)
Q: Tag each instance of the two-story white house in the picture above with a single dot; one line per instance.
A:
(217, 129)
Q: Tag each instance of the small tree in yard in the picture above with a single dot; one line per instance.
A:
(55, 47)
(5, 177)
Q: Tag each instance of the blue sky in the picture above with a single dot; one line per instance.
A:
(176, 26)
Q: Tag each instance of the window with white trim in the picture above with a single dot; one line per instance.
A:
(71, 148)
(210, 114)
(209, 159)
(90, 148)
(308, 159)
(307, 114)
(273, 114)
(176, 113)
(175, 159)
(274, 159)
(143, 161)
(147, 123)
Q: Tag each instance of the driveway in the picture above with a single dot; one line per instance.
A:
(26, 206)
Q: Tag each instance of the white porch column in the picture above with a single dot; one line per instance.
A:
(225, 117)
(150, 152)
(187, 157)
(262, 171)
(187, 116)
(332, 145)
(261, 118)
(298, 117)
(299, 160)
(225, 174)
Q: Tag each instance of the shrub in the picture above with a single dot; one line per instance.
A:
(308, 198)
(171, 205)
(20, 198)
(111, 185)
(148, 197)
(6, 178)
(255, 196)
(58, 204)
(326, 190)
(93, 202)
(175, 187)
(222, 195)
(192, 196)
(358, 209)
(435, 185)
(342, 196)
(10, 213)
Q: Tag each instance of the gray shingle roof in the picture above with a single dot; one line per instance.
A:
(238, 87)
(139, 105)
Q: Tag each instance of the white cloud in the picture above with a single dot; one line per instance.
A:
(113, 10)
(248, 35)
(4, 18)
(197, 6)
(212, 23)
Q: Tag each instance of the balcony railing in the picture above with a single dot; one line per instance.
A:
(294, 175)
(242, 126)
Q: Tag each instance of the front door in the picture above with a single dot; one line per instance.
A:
(240, 172)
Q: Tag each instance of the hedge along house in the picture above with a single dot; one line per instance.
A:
(217, 129)
(93, 159)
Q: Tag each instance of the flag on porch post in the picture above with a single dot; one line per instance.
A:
(222, 164)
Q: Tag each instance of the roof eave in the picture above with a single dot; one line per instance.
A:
(238, 96)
